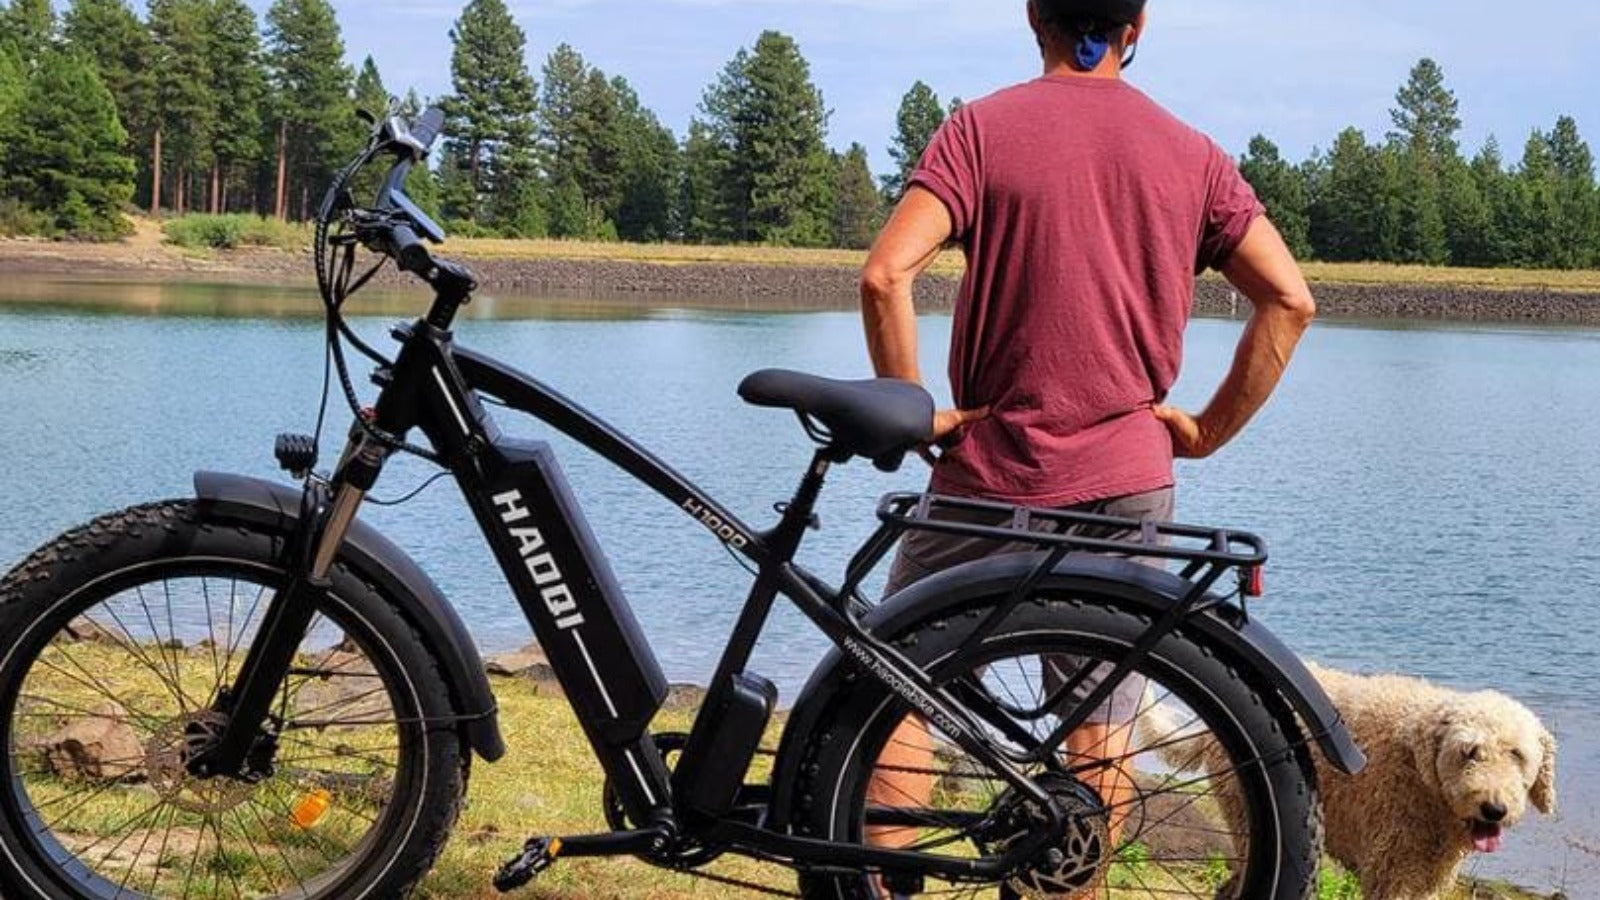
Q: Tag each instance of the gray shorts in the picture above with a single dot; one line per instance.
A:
(924, 553)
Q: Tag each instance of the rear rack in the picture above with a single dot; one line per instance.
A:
(1049, 528)
(1206, 552)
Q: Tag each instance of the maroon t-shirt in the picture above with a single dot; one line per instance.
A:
(1085, 211)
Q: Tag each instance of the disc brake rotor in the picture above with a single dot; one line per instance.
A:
(1070, 870)
(166, 761)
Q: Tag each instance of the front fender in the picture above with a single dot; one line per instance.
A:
(975, 585)
(402, 582)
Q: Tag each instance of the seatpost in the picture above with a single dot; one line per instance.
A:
(800, 514)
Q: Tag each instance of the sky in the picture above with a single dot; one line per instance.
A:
(1294, 70)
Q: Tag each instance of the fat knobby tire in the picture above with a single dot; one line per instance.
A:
(828, 795)
(169, 533)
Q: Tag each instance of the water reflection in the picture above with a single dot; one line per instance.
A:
(296, 300)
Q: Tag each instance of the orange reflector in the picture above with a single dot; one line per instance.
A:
(312, 808)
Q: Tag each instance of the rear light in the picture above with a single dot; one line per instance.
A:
(1254, 581)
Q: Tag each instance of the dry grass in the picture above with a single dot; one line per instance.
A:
(951, 263)
(145, 250)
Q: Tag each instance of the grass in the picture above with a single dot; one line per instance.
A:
(548, 783)
(952, 264)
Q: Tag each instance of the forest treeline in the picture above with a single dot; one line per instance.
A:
(200, 107)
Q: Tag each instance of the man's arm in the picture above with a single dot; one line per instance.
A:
(909, 243)
(1264, 270)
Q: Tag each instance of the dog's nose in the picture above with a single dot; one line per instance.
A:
(1492, 812)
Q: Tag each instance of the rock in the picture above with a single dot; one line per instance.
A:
(517, 663)
(346, 690)
(101, 747)
(684, 697)
(86, 630)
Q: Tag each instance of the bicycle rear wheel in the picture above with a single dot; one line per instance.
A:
(119, 638)
(1189, 788)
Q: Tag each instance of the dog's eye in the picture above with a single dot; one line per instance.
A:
(1518, 755)
(1472, 754)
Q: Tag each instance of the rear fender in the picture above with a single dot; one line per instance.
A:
(402, 582)
(976, 585)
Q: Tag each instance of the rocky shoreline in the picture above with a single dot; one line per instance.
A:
(787, 288)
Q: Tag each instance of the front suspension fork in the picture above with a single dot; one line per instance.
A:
(247, 703)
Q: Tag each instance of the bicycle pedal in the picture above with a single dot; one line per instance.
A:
(537, 855)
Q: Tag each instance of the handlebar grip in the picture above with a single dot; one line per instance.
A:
(408, 250)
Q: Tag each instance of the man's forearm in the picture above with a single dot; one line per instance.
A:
(1264, 352)
(891, 326)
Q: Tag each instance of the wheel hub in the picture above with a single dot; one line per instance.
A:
(167, 760)
(1076, 866)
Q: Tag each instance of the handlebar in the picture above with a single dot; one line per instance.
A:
(408, 250)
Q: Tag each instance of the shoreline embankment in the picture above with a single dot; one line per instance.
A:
(788, 286)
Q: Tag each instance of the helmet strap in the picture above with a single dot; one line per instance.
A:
(1130, 55)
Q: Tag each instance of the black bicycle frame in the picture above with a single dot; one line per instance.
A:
(561, 578)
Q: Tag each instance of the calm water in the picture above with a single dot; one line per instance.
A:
(1429, 494)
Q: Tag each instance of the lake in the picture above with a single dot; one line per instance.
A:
(1429, 494)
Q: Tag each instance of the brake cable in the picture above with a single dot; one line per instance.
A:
(336, 288)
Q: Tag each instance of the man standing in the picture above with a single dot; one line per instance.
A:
(1085, 212)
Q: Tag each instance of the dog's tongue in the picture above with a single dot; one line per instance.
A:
(1486, 837)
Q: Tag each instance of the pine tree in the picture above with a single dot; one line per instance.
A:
(1492, 181)
(650, 170)
(493, 106)
(770, 121)
(1427, 113)
(1345, 220)
(1537, 215)
(564, 75)
(704, 200)
(239, 80)
(517, 206)
(600, 134)
(1282, 190)
(370, 94)
(1468, 219)
(919, 119)
(1422, 238)
(186, 110)
(108, 33)
(12, 83)
(857, 205)
(1576, 196)
(65, 150)
(28, 29)
(313, 120)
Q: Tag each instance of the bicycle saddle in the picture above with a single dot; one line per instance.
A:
(880, 420)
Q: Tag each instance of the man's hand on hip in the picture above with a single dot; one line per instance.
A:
(1189, 437)
(948, 425)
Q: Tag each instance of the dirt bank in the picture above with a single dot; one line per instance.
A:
(787, 286)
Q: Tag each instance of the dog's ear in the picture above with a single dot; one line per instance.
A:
(1543, 792)
(1427, 741)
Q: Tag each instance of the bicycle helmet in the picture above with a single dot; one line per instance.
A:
(1091, 22)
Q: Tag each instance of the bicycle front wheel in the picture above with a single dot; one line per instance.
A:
(119, 638)
(1184, 784)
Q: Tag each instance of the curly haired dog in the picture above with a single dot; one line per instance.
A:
(1448, 772)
